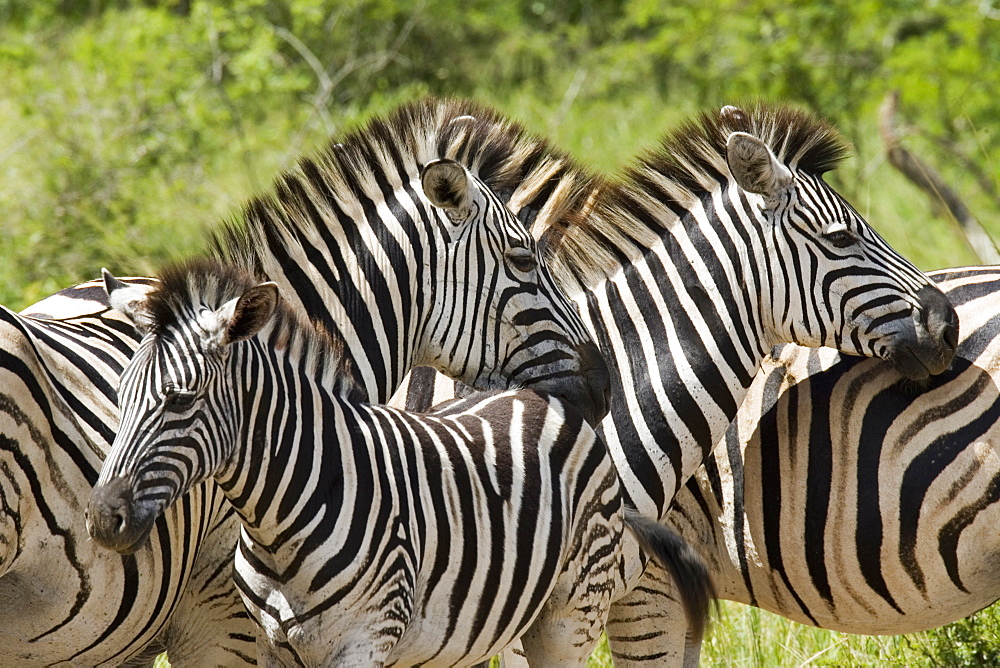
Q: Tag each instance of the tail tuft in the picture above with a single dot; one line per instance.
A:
(694, 584)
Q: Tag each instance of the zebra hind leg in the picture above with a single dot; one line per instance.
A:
(648, 627)
(690, 576)
(569, 625)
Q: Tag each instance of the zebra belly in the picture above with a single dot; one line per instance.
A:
(60, 604)
(946, 568)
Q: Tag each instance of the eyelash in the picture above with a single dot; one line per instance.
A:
(522, 259)
(841, 238)
(177, 400)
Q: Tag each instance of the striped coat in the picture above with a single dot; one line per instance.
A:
(371, 536)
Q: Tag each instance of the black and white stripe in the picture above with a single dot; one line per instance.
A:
(397, 241)
(371, 536)
(713, 248)
(64, 599)
(531, 334)
(847, 497)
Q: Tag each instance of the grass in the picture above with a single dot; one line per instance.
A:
(749, 637)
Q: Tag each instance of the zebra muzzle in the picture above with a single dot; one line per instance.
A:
(111, 517)
(926, 344)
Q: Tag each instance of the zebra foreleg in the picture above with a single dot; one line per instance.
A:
(647, 627)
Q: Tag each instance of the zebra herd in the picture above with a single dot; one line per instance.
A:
(253, 444)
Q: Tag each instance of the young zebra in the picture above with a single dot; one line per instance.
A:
(371, 536)
(847, 497)
(467, 294)
(709, 251)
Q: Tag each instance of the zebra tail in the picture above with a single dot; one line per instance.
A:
(690, 575)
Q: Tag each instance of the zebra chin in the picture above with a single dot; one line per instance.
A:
(917, 363)
(114, 520)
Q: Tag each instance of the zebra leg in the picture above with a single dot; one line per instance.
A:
(570, 623)
(512, 657)
(647, 626)
(568, 627)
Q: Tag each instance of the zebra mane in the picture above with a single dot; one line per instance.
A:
(688, 163)
(525, 171)
(186, 287)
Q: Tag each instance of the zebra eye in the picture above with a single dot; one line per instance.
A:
(841, 238)
(521, 258)
(175, 399)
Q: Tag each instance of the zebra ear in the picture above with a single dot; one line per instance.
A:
(755, 168)
(448, 186)
(243, 317)
(733, 115)
(130, 300)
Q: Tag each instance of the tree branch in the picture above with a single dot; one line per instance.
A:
(927, 179)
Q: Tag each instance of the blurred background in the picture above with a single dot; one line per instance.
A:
(129, 128)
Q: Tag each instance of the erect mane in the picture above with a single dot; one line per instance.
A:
(534, 179)
(688, 163)
(186, 287)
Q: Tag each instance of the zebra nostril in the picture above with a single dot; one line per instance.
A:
(120, 518)
(109, 512)
(938, 318)
(951, 336)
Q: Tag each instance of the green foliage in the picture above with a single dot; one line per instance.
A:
(747, 637)
(974, 641)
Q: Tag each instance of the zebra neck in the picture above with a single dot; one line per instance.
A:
(299, 431)
(372, 308)
(683, 323)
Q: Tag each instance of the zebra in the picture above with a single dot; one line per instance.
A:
(325, 235)
(689, 268)
(846, 497)
(371, 536)
(62, 599)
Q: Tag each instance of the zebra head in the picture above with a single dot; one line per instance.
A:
(181, 411)
(496, 316)
(833, 280)
(401, 239)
